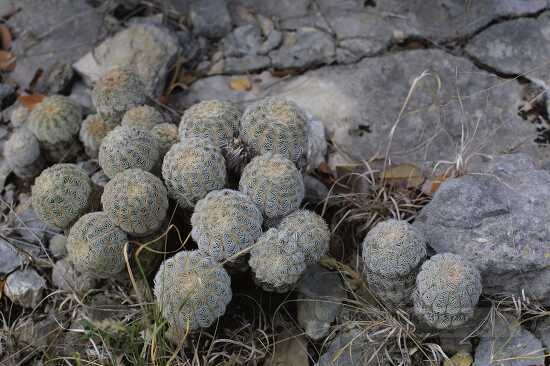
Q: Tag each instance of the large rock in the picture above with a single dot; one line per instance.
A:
(50, 31)
(507, 343)
(149, 48)
(515, 47)
(10, 259)
(25, 287)
(498, 219)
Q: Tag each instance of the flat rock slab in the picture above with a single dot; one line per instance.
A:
(497, 218)
(148, 48)
(46, 34)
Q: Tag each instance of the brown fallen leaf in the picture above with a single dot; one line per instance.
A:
(240, 84)
(7, 61)
(404, 175)
(5, 37)
(30, 101)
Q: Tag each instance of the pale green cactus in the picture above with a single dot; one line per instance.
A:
(92, 132)
(22, 153)
(144, 117)
(55, 120)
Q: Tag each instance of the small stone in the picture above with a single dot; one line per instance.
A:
(317, 144)
(241, 65)
(25, 287)
(39, 333)
(210, 18)
(320, 295)
(244, 40)
(316, 191)
(7, 94)
(304, 48)
(58, 246)
(273, 41)
(10, 259)
(66, 277)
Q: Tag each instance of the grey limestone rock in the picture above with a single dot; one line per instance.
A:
(25, 287)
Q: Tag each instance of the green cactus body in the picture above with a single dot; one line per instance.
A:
(92, 132)
(276, 260)
(274, 184)
(275, 125)
(312, 233)
(212, 119)
(118, 90)
(61, 194)
(393, 252)
(192, 291)
(192, 168)
(136, 201)
(224, 223)
(143, 117)
(166, 135)
(96, 246)
(447, 291)
(22, 153)
(55, 120)
(128, 148)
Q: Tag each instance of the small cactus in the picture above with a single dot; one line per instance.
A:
(192, 168)
(55, 120)
(392, 254)
(92, 131)
(192, 291)
(274, 184)
(312, 233)
(119, 90)
(96, 246)
(447, 290)
(275, 125)
(276, 260)
(136, 201)
(61, 194)
(166, 135)
(213, 119)
(22, 153)
(144, 117)
(224, 223)
(128, 148)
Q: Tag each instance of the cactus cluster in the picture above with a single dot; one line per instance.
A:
(192, 168)
(448, 288)
(22, 153)
(275, 125)
(95, 245)
(93, 130)
(225, 222)
(118, 90)
(143, 117)
(274, 184)
(392, 254)
(61, 194)
(212, 119)
(136, 201)
(191, 290)
(128, 148)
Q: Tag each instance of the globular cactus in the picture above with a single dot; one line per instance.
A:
(224, 223)
(92, 132)
(19, 116)
(166, 135)
(213, 119)
(312, 233)
(192, 168)
(96, 246)
(276, 260)
(274, 184)
(22, 153)
(55, 120)
(192, 291)
(275, 125)
(61, 194)
(118, 90)
(136, 201)
(128, 148)
(144, 117)
(447, 290)
(392, 254)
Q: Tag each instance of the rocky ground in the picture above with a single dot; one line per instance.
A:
(441, 106)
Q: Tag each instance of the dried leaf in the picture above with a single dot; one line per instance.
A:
(404, 175)
(240, 84)
(5, 37)
(291, 351)
(30, 101)
(7, 61)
